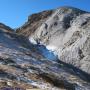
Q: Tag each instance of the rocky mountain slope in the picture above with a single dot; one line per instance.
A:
(49, 52)
(66, 32)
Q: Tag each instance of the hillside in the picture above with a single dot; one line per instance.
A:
(51, 51)
(66, 33)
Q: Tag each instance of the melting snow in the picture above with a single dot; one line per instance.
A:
(46, 52)
(51, 48)
(31, 39)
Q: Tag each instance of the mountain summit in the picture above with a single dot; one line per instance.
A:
(51, 51)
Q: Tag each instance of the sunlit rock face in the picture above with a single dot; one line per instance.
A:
(34, 21)
(66, 32)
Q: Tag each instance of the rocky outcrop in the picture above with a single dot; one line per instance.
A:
(6, 28)
(66, 33)
(34, 21)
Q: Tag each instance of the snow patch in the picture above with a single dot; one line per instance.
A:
(51, 48)
(32, 40)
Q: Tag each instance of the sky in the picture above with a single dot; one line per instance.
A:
(14, 13)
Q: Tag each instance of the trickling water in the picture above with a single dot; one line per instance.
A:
(46, 53)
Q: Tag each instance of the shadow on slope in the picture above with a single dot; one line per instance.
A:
(82, 74)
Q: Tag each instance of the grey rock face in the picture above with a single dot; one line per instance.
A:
(67, 33)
